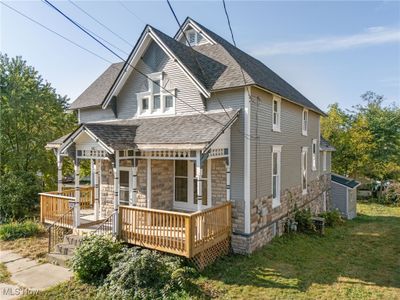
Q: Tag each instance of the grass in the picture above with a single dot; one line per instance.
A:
(4, 274)
(359, 260)
(16, 230)
(32, 247)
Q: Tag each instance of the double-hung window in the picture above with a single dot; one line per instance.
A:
(276, 113)
(158, 99)
(304, 122)
(304, 151)
(276, 175)
(314, 155)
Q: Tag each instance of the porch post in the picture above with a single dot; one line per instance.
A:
(134, 182)
(199, 172)
(148, 196)
(92, 172)
(116, 192)
(77, 194)
(228, 177)
(96, 190)
(59, 171)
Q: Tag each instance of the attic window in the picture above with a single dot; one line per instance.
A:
(193, 37)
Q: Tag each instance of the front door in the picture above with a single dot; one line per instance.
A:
(185, 195)
(125, 186)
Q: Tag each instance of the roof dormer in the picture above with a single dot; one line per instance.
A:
(191, 35)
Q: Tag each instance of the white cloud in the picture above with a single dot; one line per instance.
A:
(371, 36)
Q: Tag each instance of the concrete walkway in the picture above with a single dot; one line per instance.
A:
(29, 276)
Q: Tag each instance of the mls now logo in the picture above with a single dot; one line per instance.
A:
(17, 291)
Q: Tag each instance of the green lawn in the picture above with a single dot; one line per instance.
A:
(359, 260)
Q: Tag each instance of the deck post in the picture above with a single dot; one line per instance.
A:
(92, 172)
(199, 173)
(59, 171)
(134, 182)
(228, 179)
(77, 194)
(116, 192)
(95, 183)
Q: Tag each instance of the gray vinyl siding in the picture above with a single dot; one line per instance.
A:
(291, 139)
(233, 99)
(155, 60)
(339, 197)
(95, 114)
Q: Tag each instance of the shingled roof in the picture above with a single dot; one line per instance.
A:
(348, 182)
(194, 129)
(216, 67)
(325, 146)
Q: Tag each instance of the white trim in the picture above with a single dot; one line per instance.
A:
(148, 196)
(304, 123)
(304, 168)
(314, 155)
(247, 106)
(277, 126)
(192, 24)
(278, 150)
(324, 162)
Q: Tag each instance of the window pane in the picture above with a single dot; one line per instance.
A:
(275, 163)
(275, 106)
(181, 189)
(275, 118)
(124, 178)
(145, 103)
(156, 86)
(181, 168)
(156, 102)
(124, 196)
(192, 38)
(274, 186)
(169, 101)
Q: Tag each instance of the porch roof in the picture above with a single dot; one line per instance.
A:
(194, 131)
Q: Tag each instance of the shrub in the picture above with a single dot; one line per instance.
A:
(92, 259)
(332, 218)
(392, 195)
(304, 221)
(146, 274)
(15, 230)
(18, 195)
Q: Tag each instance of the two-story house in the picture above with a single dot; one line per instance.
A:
(193, 143)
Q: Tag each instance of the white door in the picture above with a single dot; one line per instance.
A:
(125, 186)
(185, 191)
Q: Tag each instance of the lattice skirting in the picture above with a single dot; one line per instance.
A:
(210, 255)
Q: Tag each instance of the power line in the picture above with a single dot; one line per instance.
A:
(54, 32)
(100, 23)
(131, 12)
(133, 67)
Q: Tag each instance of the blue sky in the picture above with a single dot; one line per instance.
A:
(329, 51)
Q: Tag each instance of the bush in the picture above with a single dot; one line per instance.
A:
(146, 274)
(15, 230)
(18, 195)
(304, 221)
(392, 195)
(92, 259)
(332, 218)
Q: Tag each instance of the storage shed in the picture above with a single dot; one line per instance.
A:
(344, 195)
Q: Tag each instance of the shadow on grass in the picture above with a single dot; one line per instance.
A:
(364, 250)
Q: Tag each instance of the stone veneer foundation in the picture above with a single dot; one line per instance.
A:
(268, 222)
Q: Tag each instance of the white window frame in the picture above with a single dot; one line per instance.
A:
(277, 200)
(304, 169)
(304, 122)
(190, 205)
(323, 160)
(151, 111)
(196, 37)
(314, 155)
(130, 171)
(276, 126)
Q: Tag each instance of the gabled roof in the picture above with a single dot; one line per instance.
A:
(211, 67)
(255, 71)
(350, 183)
(97, 91)
(194, 131)
(325, 146)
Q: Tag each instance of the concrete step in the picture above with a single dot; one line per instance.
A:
(58, 259)
(65, 249)
(73, 239)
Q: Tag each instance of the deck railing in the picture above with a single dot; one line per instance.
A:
(55, 204)
(185, 234)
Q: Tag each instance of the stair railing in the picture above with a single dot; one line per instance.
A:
(60, 228)
(106, 227)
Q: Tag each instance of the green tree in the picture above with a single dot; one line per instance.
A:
(31, 114)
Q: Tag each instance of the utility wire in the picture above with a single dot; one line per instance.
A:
(100, 23)
(54, 32)
(131, 12)
(133, 67)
